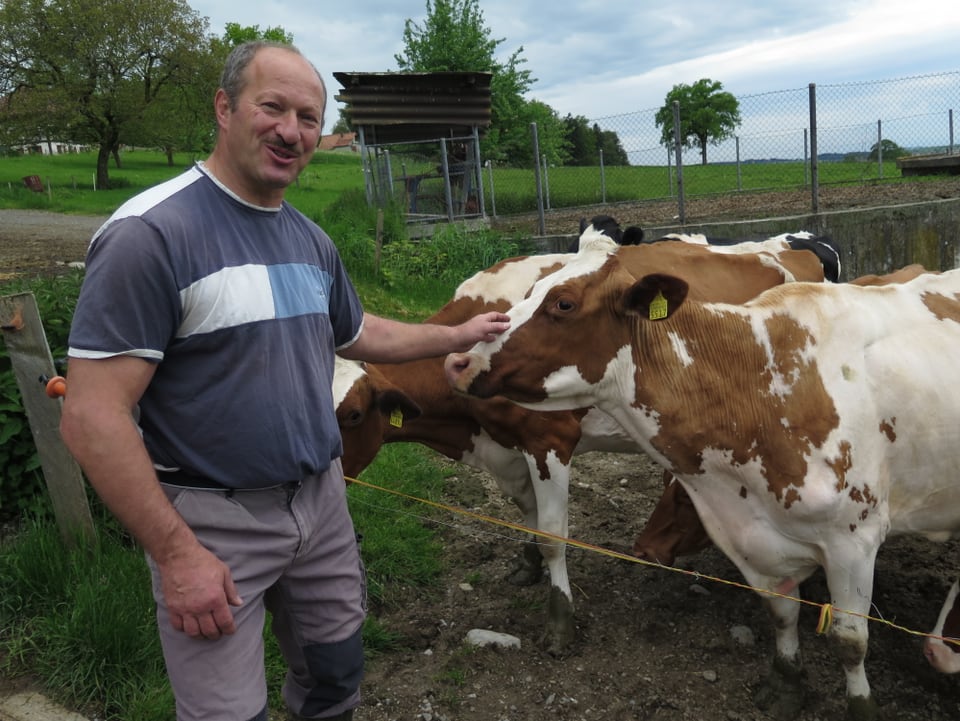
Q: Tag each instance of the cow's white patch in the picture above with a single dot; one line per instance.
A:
(345, 375)
(510, 282)
(680, 348)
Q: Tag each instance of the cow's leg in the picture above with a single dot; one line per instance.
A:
(782, 692)
(850, 580)
(529, 567)
(552, 494)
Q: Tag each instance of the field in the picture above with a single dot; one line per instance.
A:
(653, 644)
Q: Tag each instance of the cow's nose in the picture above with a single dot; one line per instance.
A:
(455, 366)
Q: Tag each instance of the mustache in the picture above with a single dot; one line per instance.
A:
(283, 145)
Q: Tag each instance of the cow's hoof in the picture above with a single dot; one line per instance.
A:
(782, 694)
(529, 568)
(862, 708)
(560, 633)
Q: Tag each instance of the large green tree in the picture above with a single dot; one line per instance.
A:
(708, 115)
(189, 103)
(91, 69)
(454, 37)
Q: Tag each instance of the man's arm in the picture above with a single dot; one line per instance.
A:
(389, 341)
(98, 428)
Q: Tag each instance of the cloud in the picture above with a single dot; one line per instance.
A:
(606, 57)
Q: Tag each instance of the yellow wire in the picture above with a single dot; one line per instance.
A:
(826, 609)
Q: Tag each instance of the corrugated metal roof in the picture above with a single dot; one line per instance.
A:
(402, 107)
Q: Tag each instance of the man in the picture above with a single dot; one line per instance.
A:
(214, 308)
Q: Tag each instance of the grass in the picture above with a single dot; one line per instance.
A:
(69, 180)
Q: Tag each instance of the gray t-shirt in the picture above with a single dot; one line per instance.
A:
(241, 307)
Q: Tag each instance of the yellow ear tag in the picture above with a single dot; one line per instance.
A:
(658, 307)
(396, 418)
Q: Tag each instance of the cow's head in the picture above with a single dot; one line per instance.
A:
(570, 336)
(366, 403)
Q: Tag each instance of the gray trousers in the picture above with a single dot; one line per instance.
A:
(292, 551)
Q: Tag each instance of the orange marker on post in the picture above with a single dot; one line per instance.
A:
(56, 387)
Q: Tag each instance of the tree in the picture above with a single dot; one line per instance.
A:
(707, 115)
(453, 37)
(91, 69)
(891, 151)
(236, 34)
(190, 101)
(586, 143)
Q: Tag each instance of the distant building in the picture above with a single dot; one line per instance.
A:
(340, 141)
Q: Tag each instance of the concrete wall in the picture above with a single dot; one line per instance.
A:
(874, 240)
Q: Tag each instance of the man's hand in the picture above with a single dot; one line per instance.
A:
(199, 590)
(484, 327)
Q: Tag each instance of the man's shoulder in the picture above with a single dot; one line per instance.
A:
(171, 196)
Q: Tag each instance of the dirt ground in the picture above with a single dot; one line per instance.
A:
(652, 644)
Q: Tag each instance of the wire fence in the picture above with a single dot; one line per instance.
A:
(787, 139)
(850, 133)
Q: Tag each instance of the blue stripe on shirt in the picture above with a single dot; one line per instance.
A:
(246, 294)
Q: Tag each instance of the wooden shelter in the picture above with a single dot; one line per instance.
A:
(420, 138)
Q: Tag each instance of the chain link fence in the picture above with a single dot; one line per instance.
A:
(848, 133)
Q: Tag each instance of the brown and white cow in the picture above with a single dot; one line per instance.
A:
(529, 453)
(807, 424)
(366, 403)
(674, 528)
(944, 656)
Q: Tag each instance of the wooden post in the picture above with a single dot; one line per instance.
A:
(31, 359)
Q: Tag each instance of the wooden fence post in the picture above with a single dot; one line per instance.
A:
(30, 355)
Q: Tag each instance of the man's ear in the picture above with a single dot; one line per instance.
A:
(221, 106)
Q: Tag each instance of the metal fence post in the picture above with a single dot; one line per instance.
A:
(950, 120)
(493, 195)
(546, 181)
(880, 147)
(536, 173)
(603, 180)
(814, 164)
(681, 213)
(447, 194)
(478, 171)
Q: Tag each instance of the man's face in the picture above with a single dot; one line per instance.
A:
(274, 130)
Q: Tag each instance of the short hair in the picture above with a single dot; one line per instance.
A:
(233, 81)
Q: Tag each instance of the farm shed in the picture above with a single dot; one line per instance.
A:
(419, 139)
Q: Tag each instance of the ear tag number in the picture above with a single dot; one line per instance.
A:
(396, 418)
(658, 307)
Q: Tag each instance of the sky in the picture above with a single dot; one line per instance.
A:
(601, 58)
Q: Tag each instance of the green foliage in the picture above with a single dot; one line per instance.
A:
(430, 268)
(454, 37)
(586, 142)
(91, 71)
(891, 151)
(707, 115)
(237, 34)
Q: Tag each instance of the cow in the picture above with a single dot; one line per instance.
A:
(943, 655)
(529, 453)
(366, 402)
(821, 246)
(807, 424)
(674, 529)
(610, 227)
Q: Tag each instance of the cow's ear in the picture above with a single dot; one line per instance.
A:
(395, 403)
(655, 296)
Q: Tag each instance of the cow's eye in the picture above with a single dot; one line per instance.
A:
(565, 305)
